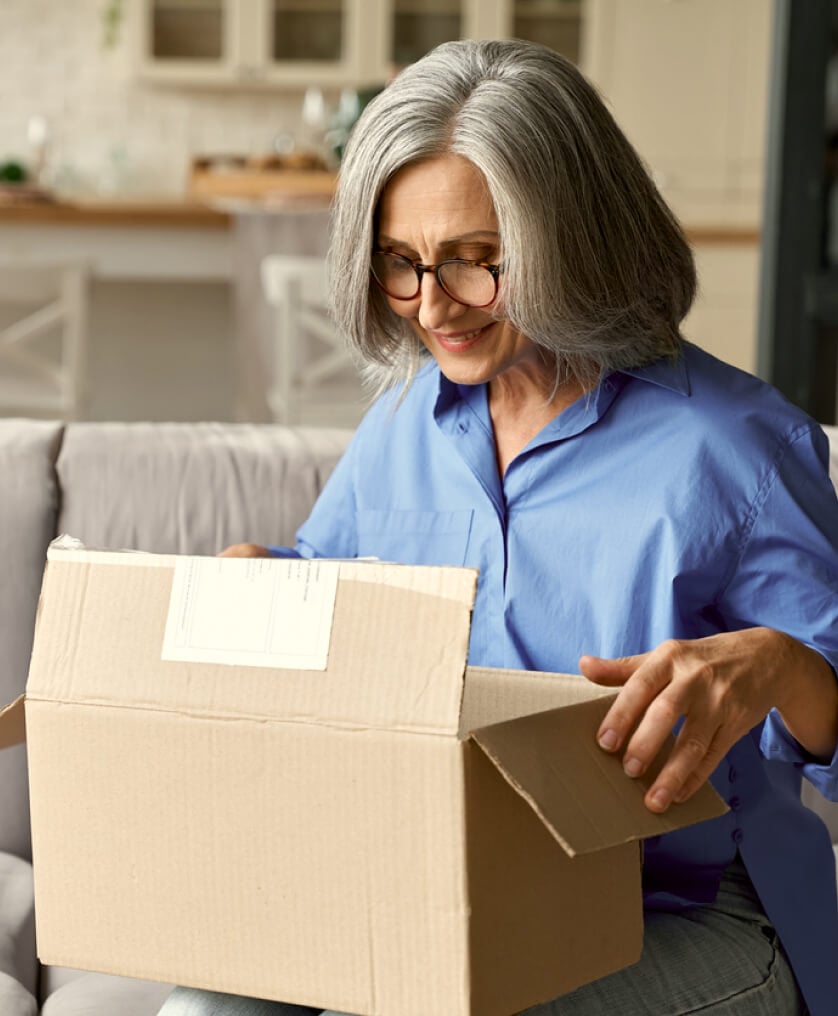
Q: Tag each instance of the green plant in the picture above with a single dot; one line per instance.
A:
(112, 16)
(13, 171)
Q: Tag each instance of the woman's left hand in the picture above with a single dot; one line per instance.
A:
(722, 686)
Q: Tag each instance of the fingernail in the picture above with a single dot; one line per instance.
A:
(660, 800)
(633, 767)
(608, 740)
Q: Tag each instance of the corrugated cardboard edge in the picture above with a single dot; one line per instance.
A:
(13, 723)
(447, 582)
(59, 552)
(594, 805)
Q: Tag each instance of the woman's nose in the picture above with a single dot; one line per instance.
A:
(436, 307)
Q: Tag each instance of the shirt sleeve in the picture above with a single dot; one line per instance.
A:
(331, 528)
(777, 744)
(786, 576)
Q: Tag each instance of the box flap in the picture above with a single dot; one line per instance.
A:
(494, 695)
(397, 640)
(13, 723)
(579, 791)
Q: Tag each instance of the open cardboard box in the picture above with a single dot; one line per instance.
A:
(279, 778)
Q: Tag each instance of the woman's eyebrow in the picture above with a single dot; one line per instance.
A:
(389, 241)
(479, 235)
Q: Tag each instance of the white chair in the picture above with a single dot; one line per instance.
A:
(43, 339)
(314, 378)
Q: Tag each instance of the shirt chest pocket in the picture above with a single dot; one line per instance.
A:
(415, 537)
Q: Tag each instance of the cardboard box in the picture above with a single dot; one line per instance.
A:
(394, 834)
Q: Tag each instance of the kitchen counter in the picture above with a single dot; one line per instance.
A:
(148, 212)
(152, 239)
(722, 235)
(154, 212)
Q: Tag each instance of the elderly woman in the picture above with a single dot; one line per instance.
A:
(638, 510)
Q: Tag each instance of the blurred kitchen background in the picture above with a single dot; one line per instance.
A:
(166, 168)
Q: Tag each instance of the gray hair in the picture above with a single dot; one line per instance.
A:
(596, 268)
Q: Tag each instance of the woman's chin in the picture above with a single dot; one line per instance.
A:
(461, 373)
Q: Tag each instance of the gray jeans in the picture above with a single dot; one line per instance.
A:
(723, 960)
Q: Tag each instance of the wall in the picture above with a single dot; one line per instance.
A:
(723, 319)
(109, 131)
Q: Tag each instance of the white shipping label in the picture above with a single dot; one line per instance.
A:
(256, 612)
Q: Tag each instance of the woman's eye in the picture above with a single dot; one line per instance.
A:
(474, 255)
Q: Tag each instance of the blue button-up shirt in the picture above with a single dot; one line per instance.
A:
(679, 500)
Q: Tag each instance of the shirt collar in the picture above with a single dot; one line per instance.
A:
(668, 372)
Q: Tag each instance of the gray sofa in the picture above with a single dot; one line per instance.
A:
(176, 488)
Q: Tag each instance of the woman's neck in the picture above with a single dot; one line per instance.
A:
(521, 404)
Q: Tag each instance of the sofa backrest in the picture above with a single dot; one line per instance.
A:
(191, 488)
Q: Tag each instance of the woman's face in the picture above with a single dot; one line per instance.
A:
(429, 212)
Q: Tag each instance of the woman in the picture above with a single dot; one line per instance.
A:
(638, 510)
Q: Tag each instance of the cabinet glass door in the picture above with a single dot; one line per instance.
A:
(187, 30)
(307, 30)
(553, 23)
(419, 25)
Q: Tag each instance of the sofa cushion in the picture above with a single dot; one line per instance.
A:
(28, 508)
(191, 488)
(104, 995)
(15, 1000)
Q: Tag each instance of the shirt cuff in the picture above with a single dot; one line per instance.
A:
(777, 745)
(284, 552)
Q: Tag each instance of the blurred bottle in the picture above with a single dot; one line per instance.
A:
(314, 119)
(37, 137)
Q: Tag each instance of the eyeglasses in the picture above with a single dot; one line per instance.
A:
(472, 283)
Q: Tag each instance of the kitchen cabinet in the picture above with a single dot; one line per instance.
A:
(413, 27)
(339, 43)
(687, 81)
(554, 23)
(253, 43)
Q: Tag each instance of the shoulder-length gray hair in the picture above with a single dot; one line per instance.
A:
(596, 268)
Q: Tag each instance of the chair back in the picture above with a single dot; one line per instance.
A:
(43, 340)
(314, 376)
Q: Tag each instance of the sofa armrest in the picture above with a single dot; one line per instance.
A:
(28, 509)
(15, 1000)
(18, 963)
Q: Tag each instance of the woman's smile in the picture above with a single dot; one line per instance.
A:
(461, 342)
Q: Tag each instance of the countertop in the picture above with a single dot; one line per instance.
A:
(156, 212)
(142, 212)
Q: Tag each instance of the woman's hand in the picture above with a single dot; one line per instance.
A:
(723, 686)
(245, 550)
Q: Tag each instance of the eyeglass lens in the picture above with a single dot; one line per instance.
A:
(463, 281)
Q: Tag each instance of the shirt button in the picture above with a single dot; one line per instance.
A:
(737, 836)
(735, 803)
(732, 775)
